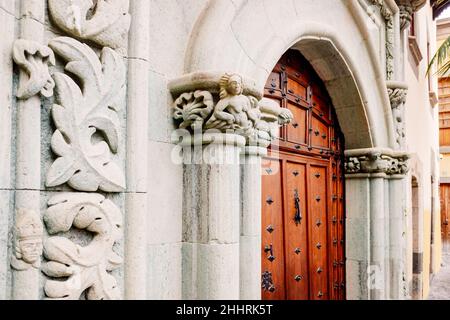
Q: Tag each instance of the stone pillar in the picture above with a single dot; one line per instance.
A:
(374, 205)
(33, 82)
(219, 114)
(397, 92)
(396, 236)
(211, 217)
(250, 242)
(137, 142)
(377, 237)
(6, 100)
(357, 187)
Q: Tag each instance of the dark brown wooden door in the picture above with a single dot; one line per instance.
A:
(303, 191)
(445, 212)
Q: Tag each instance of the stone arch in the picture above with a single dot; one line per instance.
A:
(248, 37)
(226, 38)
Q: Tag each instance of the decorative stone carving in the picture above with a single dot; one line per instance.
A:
(272, 117)
(105, 22)
(193, 108)
(397, 97)
(28, 234)
(234, 111)
(390, 35)
(407, 9)
(34, 59)
(79, 269)
(376, 161)
(352, 165)
(406, 13)
(86, 118)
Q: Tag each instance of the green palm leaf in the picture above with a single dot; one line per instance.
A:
(441, 57)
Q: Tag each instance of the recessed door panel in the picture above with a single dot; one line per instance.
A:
(296, 221)
(298, 130)
(318, 232)
(272, 250)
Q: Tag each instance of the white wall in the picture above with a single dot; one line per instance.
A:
(422, 135)
(171, 23)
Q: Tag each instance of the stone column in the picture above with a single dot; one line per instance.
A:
(137, 153)
(397, 92)
(250, 243)
(219, 114)
(396, 236)
(357, 187)
(8, 19)
(34, 80)
(374, 204)
(211, 217)
(377, 237)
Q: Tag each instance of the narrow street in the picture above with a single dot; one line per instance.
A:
(440, 285)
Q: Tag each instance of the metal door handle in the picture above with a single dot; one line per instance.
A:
(446, 222)
(269, 249)
(298, 211)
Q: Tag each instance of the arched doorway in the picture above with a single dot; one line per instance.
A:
(303, 191)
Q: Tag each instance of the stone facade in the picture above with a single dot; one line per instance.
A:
(133, 134)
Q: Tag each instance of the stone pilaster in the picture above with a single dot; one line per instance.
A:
(250, 229)
(33, 58)
(224, 131)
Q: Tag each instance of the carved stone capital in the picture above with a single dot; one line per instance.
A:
(34, 59)
(372, 161)
(397, 92)
(407, 9)
(227, 103)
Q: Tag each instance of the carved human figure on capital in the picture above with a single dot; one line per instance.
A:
(234, 109)
(28, 246)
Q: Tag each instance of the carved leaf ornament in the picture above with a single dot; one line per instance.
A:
(193, 108)
(86, 118)
(105, 22)
(34, 59)
(79, 269)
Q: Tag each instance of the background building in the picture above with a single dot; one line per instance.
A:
(443, 32)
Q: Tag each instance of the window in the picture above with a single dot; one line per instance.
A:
(412, 40)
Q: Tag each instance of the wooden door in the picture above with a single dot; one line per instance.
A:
(303, 191)
(445, 212)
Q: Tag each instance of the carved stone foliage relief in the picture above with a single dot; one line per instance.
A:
(389, 20)
(90, 93)
(34, 59)
(397, 98)
(104, 22)
(377, 163)
(86, 118)
(77, 269)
